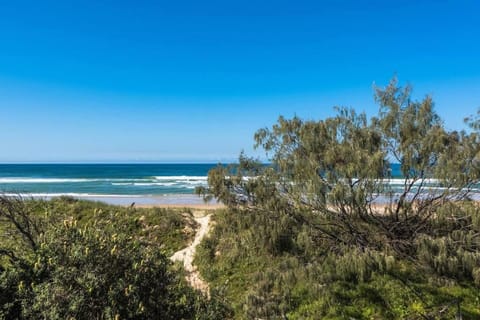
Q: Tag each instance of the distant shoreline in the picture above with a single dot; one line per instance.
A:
(163, 201)
(185, 205)
(139, 201)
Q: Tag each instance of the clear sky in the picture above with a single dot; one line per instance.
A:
(166, 81)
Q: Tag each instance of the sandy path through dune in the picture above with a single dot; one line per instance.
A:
(186, 255)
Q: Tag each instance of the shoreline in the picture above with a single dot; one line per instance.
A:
(159, 201)
(139, 201)
(183, 205)
(172, 200)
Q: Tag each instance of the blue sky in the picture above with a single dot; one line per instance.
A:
(167, 81)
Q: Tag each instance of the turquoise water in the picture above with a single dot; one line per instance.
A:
(106, 179)
(119, 183)
(122, 182)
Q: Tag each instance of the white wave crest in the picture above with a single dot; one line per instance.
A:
(165, 184)
(70, 194)
(43, 180)
(181, 178)
(69, 180)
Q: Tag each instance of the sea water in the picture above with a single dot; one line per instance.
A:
(126, 183)
(113, 183)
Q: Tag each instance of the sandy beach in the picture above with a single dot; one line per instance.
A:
(160, 201)
(183, 205)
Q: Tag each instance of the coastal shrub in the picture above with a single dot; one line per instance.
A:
(96, 275)
(97, 269)
(258, 283)
(367, 243)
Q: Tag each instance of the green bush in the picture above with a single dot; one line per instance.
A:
(100, 268)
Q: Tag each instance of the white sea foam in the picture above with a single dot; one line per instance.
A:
(178, 184)
(70, 194)
(195, 181)
(43, 180)
(165, 184)
(182, 182)
(144, 183)
(182, 178)
(187, 182)
(185, 179)
(398, 181)
(118, 181)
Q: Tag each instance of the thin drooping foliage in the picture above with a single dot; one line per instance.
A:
(328, 197)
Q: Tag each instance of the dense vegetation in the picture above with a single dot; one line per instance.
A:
(323, 232)
(70, 259)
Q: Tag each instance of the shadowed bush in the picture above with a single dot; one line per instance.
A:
(57, 267)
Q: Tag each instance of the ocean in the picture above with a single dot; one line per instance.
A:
(111, 183)
(125, 183)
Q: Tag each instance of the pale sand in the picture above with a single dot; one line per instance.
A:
(187, 255)
(183, 206)
(159, 201)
